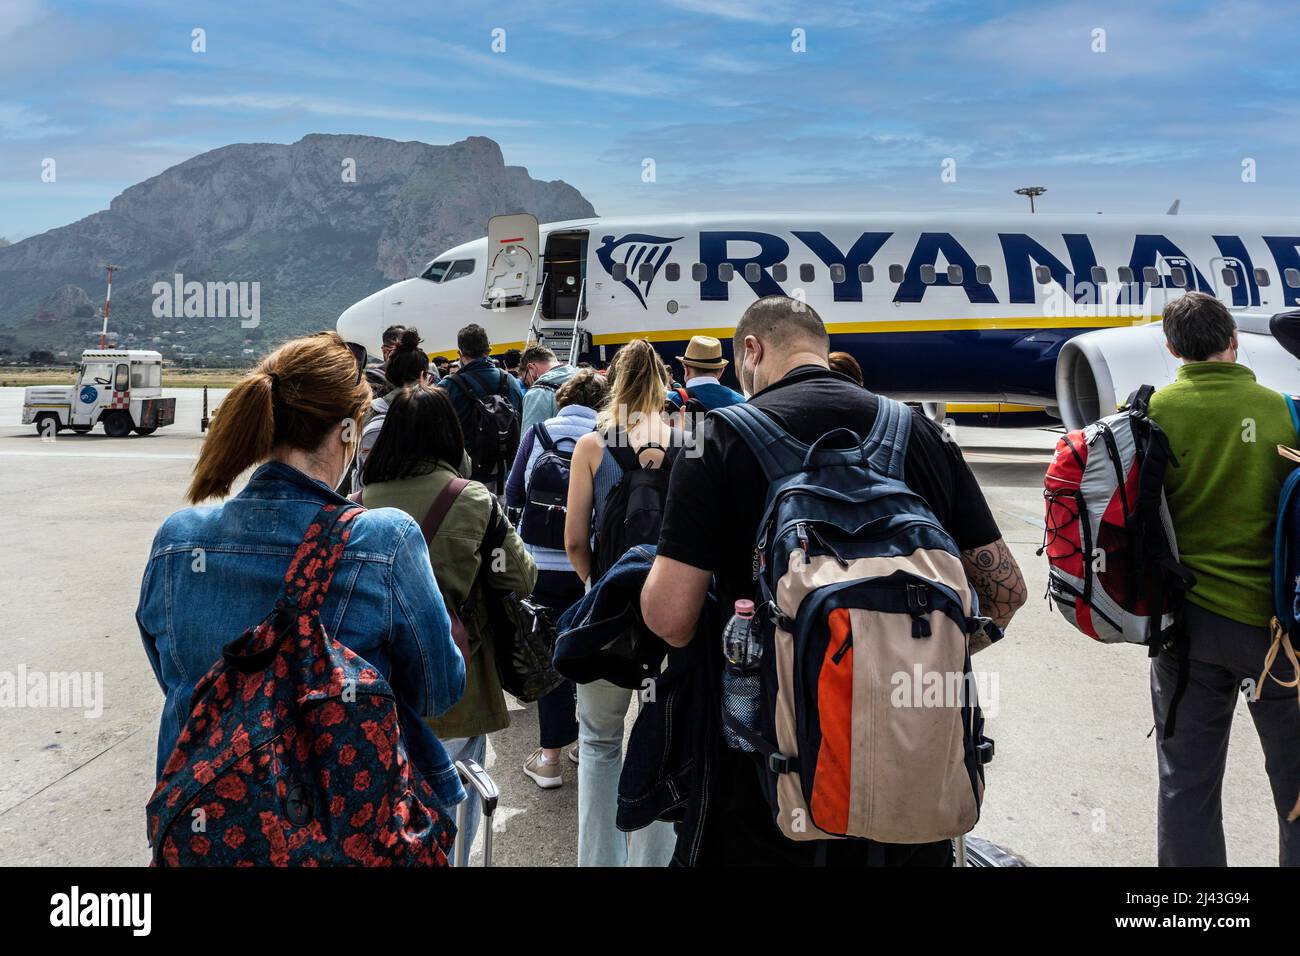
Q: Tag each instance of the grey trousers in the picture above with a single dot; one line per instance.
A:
(1223, 654)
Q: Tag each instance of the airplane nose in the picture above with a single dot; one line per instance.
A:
(363, 323)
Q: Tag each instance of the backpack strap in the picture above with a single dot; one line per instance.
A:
(1140, 400)
(441, 505)
(1293, 406)
(885, 447)
(544, 436)
(312, 569)
(778, 454)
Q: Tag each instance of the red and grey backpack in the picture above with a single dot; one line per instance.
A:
(292, 754)
(1112, 554)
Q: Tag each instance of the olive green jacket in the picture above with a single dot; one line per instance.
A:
(455, 553)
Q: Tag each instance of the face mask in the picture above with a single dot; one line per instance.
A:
(746, 379)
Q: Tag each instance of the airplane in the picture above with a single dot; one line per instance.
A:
(1055, 312)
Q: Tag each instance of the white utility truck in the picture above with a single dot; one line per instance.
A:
(122, 388)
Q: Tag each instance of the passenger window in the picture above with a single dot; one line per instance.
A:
(779, 272)
(954, 275)
(983, 274)
(140, 376)
(1179, 275)
(699, 272)
(927, 274)
(672, 272)
(837, 272)
(1099, 275)
(1151, 275)
(1230, 277)
(866, 273)
(1125, 275)
(1042, 274)
(1261, 276)
(459, 268)
(645, 272)
(807, 273)
(122, 380)
(726, 271)
(619, 272)
(752, 272)
(895, 273)
(1293, 278)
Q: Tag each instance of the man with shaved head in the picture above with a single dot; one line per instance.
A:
(715, 504)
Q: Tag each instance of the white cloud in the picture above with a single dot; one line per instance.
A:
(259, 101)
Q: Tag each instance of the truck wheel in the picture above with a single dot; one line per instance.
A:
(146, 431)
(47, 423)
(117, 425)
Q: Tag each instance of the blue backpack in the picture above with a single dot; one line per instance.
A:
(1286, 566)
(867, 724)
(547, 506)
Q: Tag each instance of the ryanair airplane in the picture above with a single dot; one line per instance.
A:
(1053, 312)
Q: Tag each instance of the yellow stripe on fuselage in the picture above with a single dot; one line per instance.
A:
(1008, 323)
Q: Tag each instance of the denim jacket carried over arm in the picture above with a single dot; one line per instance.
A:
(215, 571)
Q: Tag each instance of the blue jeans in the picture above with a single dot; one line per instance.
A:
(602, 708)
(467, 748)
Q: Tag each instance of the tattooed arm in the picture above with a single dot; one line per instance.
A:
(996, 578)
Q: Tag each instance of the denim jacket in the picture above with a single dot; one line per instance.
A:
(217, 570)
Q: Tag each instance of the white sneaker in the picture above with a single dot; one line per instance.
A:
(572, 753)
(545, 773)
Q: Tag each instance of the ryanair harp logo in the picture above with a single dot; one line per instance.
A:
(642, 254)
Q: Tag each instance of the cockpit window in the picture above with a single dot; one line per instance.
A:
(461, 267)
(444, 270)
(436, 270)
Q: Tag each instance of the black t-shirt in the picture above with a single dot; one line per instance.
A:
(715, 503)
(718, 490)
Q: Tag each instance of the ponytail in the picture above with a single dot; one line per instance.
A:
(239, 437)
(293, 399)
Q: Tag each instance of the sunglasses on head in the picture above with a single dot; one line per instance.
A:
(359, 356)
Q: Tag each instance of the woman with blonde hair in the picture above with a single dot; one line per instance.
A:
(631, 432)
(215, 571)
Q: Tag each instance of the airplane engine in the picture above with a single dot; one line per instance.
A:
(1097, 371)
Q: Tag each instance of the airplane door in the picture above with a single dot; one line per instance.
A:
(513, 246)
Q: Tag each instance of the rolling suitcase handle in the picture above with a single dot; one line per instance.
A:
(484, 788)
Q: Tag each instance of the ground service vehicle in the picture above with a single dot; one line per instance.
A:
(121, 388)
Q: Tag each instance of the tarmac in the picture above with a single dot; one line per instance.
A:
(1073, 782)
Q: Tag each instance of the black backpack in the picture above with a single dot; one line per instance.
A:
(634, 510)
(491, 430)
(547, 506)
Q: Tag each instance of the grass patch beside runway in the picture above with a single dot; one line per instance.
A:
(21, 376)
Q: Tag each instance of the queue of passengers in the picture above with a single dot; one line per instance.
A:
(440, 532)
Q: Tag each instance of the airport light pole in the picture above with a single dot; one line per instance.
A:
(108, 298)
(1031, 192)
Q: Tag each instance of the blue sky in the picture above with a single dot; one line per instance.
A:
(709, 89)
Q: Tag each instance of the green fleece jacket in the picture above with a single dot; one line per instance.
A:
(1224, 429)
(455, 553)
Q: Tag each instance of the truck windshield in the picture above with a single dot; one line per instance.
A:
(97, 373)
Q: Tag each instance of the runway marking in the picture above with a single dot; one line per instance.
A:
(145, 456)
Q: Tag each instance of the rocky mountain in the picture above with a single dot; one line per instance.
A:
(317, 224)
